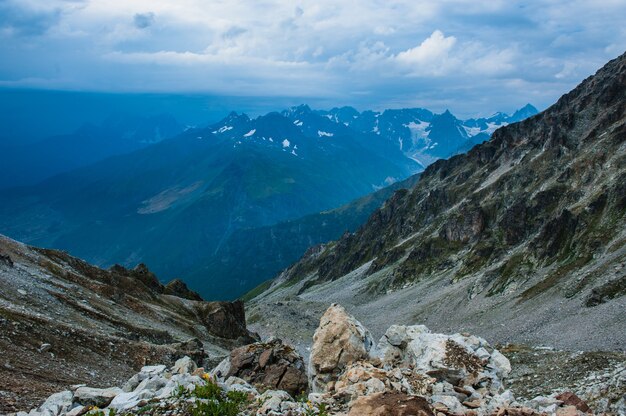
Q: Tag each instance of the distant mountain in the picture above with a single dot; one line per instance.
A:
(522, 239)
(196, 205)
(174, 204)
(29, 163)
(422, 135)
(251, 256)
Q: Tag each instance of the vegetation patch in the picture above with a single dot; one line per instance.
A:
(610, 290)
(516, 266)
(257, 290)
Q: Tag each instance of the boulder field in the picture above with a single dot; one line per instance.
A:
(409, 371)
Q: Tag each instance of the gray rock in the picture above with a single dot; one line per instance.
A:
(125, 401)
(184, 365)
(273, 401)
(78, 410)
(44, 347)
(57, 403)
(452, 403)
(222, 369)
(89, 396)
(152, 384)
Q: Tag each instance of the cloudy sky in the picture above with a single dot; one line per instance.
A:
(474, 57)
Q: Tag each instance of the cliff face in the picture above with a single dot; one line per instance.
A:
(64, 321)
(532, 221)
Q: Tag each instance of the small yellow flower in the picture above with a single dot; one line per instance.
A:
(206, 376)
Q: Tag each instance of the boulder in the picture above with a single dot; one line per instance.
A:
(339, 341)
(89, 396)
(461, 360)
(224, 319)
(570, 399)
(275, 402)
(390, 404)
(57, 403)
(184, 365)
(363, 378)
(271, 365)
(146, 372)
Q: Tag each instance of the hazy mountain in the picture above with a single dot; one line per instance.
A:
(29, 163)
(522, 239)
(173, 204)
(194, 206)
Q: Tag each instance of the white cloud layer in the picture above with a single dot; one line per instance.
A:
(472, 56)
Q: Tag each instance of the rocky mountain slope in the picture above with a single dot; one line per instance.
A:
(65, 322)
(254, 255)
(521, 239)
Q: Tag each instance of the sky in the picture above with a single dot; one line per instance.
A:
(474, 57)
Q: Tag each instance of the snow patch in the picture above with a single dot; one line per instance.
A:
(324, 134)
(224, 129)
(250, 133)
(472, 131)
(286, 143)
(298, 123)
(491, 127)
(418, 130)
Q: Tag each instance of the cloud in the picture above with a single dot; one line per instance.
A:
(432, 56)
(21, 20)
(143, 20)
(472, 56)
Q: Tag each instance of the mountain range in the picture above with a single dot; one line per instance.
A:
(190, 205)
(522, 239)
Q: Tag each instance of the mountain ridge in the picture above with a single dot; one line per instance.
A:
(527, 228)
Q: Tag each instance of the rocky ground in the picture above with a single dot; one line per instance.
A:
(409, 371)
(65, 322)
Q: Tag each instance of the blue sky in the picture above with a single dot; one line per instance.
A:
(474, 57)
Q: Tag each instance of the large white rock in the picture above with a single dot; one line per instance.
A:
(222, 369)
(89, 396)
(456, 358)
(274, 402)
(125, 401)
(57, 403)
(339, 341)
(184, 365)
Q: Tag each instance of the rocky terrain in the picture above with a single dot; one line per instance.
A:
(522, 239)
(65, 322)
(409, 371)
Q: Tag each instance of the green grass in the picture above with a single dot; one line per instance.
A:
(211, 400)
(257, 291)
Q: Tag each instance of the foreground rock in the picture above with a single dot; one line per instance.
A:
(411, 371)
(271, 365)
(338, 341)
(390, 404)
